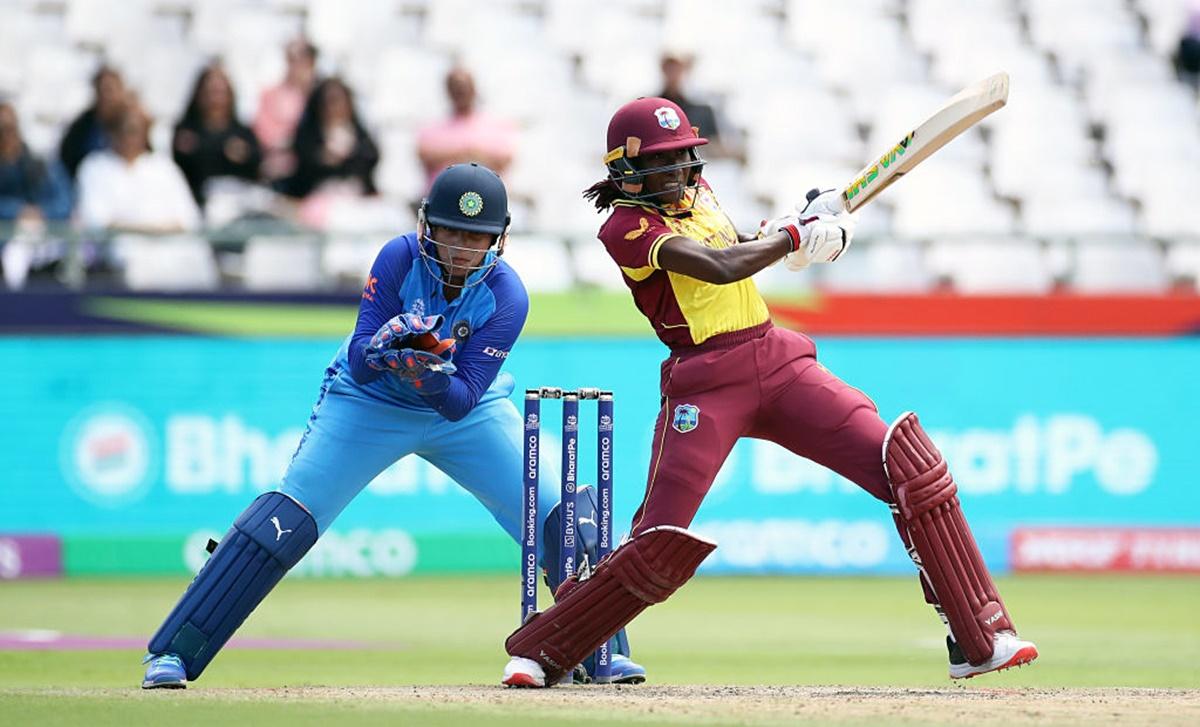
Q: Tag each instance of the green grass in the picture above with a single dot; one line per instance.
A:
(576, 313)
(583, 312)
(1092, 632)
(230, 318)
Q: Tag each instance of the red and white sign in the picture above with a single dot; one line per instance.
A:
(1167, 550)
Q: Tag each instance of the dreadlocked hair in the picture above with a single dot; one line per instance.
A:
(603, 194)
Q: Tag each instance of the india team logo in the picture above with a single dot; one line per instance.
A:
(687, 418)
(667, 118)
(531, 421)
(471, 204)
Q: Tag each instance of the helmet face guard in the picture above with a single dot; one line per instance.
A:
(648, 126)
(628, 175)
(435, 253)
(467, 197)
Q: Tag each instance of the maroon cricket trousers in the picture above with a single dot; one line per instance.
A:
(763, 382)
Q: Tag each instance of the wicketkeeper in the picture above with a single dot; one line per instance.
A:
(420, 375)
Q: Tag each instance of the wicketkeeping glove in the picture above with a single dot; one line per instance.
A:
(406, 331)
(426, 372)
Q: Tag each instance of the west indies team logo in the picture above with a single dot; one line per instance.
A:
(687, 418)
(667, 118)
(470, 203)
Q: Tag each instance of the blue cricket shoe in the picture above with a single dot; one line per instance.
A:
(622, 670)
(164, 671)
(625, 671)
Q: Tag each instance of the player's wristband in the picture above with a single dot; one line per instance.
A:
(793, 233)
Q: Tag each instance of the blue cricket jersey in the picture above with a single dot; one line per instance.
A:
(485, 320)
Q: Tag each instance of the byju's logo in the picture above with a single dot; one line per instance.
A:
(106, 455)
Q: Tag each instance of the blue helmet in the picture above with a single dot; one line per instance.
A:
(467, 197)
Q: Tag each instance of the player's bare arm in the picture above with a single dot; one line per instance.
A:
(722, 265)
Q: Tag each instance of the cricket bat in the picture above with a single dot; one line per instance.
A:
(961, 112)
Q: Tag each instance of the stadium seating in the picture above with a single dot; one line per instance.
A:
(279, 263)
(174, 263)
(1098, 138)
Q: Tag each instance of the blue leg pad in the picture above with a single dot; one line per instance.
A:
(587, 549)
(587, 538)
(266, 540)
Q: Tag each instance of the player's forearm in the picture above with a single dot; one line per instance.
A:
(455, 401)
(723, 265)
(356, 354)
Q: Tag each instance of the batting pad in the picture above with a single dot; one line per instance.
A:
(266, 540)
(643, 571)
(927, 505)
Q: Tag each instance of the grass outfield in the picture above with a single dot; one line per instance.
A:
(584, 312)
(872, 636)
(577, 313)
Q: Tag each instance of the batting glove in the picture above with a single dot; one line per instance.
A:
(815, 239)
(821, 202)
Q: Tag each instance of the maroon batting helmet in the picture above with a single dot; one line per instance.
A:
(646, 126)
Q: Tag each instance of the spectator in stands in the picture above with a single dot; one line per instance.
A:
(469, 135)
(332, 147)
(1187, 57)
(88, 132)
(209, 139)
(128, 188)
(675, 68)
(31, 191)
(280, 107)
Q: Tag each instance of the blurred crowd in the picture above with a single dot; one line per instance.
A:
(343, 136)
(305, 161)
(307, 146)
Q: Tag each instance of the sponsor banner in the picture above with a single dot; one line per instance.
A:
(160, 437)
(595, 313)
(355, 553)
(798, 545)
(1061, 314)
(30, 556)
(1170, 550)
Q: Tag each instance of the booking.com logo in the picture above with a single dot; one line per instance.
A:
(106, 454)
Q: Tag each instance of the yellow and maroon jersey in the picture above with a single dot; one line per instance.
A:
(684, 311)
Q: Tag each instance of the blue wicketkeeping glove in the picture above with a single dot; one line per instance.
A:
(426, 372)
(398, 348)
(399, 333)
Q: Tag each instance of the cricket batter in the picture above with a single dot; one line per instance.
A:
(732, 374)
(420, 374)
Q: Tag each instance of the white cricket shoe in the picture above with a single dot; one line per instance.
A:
(1009, 651)
(522, 672)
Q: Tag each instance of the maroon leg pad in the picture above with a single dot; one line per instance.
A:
(646, 570)
(927, 505)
